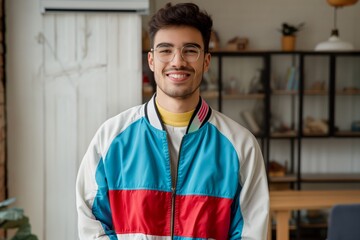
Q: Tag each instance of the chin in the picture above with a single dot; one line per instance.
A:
(182, 94)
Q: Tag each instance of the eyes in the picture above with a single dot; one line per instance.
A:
(186, 50)
(189, 53)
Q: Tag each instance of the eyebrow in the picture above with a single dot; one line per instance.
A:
(165, 44)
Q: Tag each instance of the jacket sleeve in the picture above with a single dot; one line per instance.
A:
(92, 202)
(250, 210)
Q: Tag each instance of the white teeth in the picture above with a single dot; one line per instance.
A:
(177, 75)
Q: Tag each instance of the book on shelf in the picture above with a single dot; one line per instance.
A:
(292, 81)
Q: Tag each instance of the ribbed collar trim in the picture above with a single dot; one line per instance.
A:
(200, 116)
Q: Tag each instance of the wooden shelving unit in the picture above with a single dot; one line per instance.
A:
(294, 137)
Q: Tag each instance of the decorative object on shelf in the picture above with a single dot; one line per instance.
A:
(292, 80)
(214, 43)
(288, 41)
(278, 126)
(257, 82)
(318, 86)
(334, 43)
(276, 169)
(237, 44)
(315, 126)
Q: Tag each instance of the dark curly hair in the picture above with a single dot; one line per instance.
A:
(182, 14)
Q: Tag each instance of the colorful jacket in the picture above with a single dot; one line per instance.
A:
(124, 187)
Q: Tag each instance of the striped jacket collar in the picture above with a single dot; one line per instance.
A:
(200, 116)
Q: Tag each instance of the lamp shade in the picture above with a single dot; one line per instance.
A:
(341, 3)
(334, 43)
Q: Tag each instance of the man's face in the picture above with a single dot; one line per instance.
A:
(178, 78)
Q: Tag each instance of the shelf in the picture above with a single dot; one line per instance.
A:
(284, 92)
(283, 179)
(347, 134)
(316, 92)
(288, 134)
(244, 96)
(315, 135)
(331, 177)
(349, 92)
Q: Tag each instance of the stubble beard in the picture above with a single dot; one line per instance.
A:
(181, 94)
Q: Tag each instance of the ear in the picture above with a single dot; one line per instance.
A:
(151, 61)
(207, 62)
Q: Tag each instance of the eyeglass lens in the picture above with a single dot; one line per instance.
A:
(189, 53)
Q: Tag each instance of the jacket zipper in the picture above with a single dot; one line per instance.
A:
(172, 220)
(173, 195)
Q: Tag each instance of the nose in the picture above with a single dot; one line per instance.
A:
(178, 60)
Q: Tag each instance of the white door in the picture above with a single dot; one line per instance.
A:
(88, 69)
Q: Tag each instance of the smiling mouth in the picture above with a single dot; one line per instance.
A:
(178, 76)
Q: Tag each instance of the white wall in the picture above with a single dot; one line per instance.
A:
(259, 20)
(25, 115)
(65, 76)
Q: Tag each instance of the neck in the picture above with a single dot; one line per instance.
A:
(178, 105)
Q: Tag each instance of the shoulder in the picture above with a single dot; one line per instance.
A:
(228, 126)
(239, 136)
(115, 125)
(124, 119)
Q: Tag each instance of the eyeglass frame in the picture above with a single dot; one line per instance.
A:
(153, 50)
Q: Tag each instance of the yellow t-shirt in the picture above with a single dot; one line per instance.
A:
(174, 119)
(175, 125)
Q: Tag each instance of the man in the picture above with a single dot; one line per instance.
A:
(174, 168)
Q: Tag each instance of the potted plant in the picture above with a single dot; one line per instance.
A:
(13, 218)
(289, 35)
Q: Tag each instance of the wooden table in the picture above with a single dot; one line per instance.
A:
(283, 202)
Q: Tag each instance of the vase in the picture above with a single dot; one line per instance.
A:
(288, 43)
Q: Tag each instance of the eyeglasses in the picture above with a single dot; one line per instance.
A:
(189, 53)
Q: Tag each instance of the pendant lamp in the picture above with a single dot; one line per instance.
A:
(334, 43)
